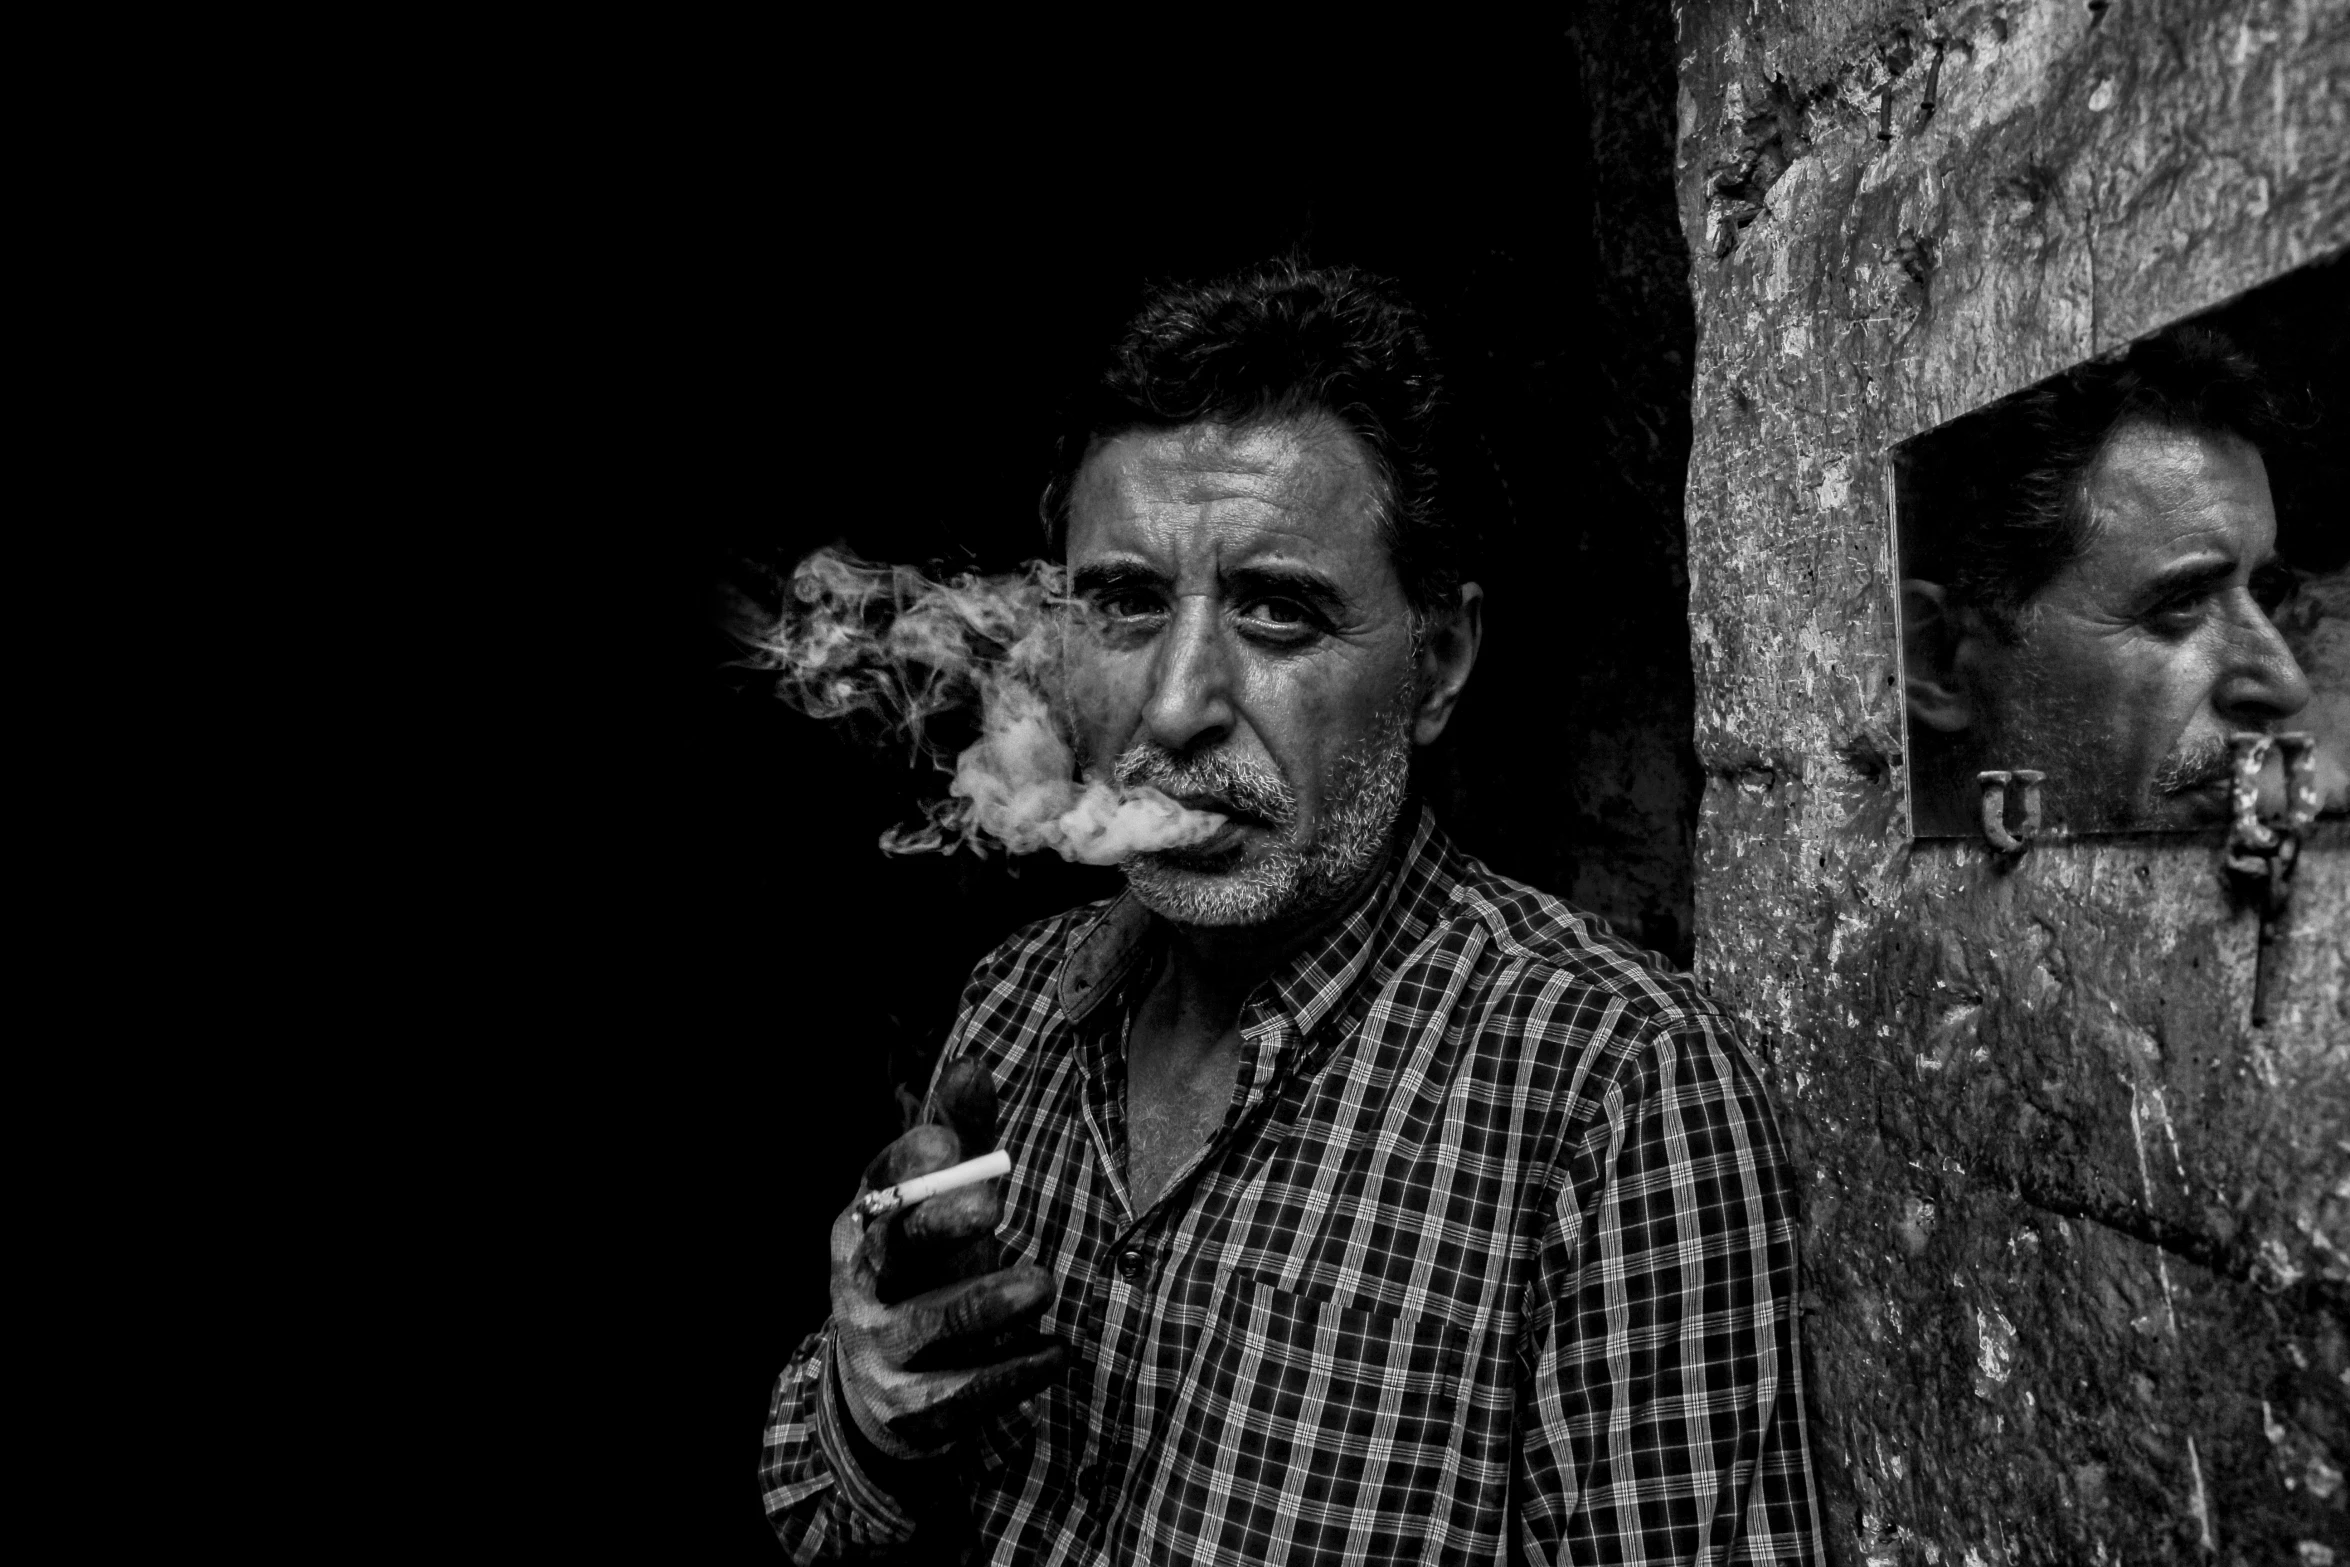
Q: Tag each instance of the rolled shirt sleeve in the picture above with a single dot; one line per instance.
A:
(821, 1505)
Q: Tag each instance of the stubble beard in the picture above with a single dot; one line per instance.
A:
(2185, 786)
(2037, 723)
(1368, 789)
(2043, 723)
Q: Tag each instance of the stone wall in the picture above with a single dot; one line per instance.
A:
(2078, 1233)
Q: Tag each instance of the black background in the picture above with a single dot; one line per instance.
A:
(760, 312)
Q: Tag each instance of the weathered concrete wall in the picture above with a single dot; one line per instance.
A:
(2078, 1233)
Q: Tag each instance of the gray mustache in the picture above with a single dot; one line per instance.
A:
(1250, 791)
(2206, 764)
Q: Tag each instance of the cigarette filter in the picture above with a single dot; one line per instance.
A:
(954, 1177)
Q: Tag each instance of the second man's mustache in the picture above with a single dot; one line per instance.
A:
(2195, 767)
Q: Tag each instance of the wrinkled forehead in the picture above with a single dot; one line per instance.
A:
(2164, 488)
(1309, 483)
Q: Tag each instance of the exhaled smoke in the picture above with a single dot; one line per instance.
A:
(889, 643)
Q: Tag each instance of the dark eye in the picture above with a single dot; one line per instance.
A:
(2175, 617)
(1278, 618)
(2186, 605)
(1126, 603)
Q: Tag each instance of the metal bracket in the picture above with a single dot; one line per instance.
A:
(2300, 750)
(1995, 784)
(2261, 855)
(2248, 835)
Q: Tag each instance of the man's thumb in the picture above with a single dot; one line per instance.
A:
(965, 1103)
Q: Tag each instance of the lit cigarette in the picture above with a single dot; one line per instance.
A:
(954, 1177)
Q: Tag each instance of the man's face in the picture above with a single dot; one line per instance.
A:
(2140, 658)
(1249, 651)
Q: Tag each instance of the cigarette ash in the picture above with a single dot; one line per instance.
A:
(926, 658)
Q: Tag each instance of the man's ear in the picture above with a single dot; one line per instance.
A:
(1447, 653)
(1932, 629)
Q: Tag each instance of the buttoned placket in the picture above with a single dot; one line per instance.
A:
(1136, 1264)
(1100, 1475)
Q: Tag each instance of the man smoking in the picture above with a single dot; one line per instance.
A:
(1364, 1205)
(2092, 566)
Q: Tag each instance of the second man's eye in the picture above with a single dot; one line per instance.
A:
(2175, 617)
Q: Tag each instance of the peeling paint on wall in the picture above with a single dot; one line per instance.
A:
(2077, 1234)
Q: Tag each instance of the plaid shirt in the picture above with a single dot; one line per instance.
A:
(1493, 1257)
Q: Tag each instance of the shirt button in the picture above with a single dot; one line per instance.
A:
(1131, 1263)
(1089, 1480)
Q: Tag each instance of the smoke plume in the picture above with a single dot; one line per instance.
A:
(888, 643)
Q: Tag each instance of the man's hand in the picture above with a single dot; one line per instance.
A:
(931, 1336)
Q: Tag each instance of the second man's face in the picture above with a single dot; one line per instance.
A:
(2141, 657)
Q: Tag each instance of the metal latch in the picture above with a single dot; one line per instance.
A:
(1995, 784)
(2261, 855)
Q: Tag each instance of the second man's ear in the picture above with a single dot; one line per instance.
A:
(1931, 631)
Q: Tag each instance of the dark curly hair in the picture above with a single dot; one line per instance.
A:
(1996, 504)
(1280, 341)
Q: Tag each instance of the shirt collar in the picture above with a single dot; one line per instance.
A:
(1413, 887)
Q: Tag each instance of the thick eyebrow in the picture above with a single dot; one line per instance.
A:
(1298, 582)
(2197, 571)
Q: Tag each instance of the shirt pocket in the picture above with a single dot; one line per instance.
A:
(1311, 1430)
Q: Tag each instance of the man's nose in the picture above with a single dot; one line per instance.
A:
(2262, 681)
(1191, 684)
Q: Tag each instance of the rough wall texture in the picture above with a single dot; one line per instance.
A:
(2078, 1233)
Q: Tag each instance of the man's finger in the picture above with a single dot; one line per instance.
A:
(965, 1101)
(965, 1401)
(948, 1237)
(918, 1152)
(951, 1218)
(954, 1322)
